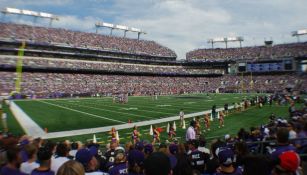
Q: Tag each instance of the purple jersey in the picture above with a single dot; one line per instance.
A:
(8, 171)
(119, 169)
(39, 172)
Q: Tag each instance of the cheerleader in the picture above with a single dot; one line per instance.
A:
(156, 135)
(197, 126)
(207, 122)
(135, 135)
(221, 119)
(113, 135)
(171, 133)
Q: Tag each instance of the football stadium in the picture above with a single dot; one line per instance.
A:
(110, 100)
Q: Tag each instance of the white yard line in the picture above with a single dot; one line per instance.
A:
(128, 106)
(29, 126)
(41, 133)
(112, 111)
(97, 116)
(120, 127)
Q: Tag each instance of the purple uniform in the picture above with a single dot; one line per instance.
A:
(120, 168)
(38, 172)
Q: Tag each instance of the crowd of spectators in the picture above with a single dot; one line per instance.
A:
(249, 53)
(68, 38)
(63, 85)
(284, 140)
(39, 62)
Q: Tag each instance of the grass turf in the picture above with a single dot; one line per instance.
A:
(138, 108)
(251, 117)
(70, 114)
(54, 114)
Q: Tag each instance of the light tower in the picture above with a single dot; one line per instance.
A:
(226, 40)
(298, 33)
(34, 14)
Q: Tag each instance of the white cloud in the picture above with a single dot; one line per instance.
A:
(185, 25)
(179, 25)
(80, 24)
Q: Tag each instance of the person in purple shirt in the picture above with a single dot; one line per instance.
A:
(173, 150)
(14, 162)
(282, 143)
(120, 164)
(44, 159)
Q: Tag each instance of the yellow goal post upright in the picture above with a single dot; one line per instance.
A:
(19, 67)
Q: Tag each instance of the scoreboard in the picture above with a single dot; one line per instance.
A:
(264, 67)
(275, 66)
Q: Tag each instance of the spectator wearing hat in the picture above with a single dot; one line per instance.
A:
(31, 164)
(289, 163)
(213, 162)
(62, 152)
(44, 159)
(135, 162)
(226, 160)
(157, 164)
(191, 134)
(120, 165)
(87, 158)
(14, 161)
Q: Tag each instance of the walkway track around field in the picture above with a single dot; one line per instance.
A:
(32, 129)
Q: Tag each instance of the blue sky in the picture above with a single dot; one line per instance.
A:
(182, 25)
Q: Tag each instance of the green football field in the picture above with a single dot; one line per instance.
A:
(84, 113)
